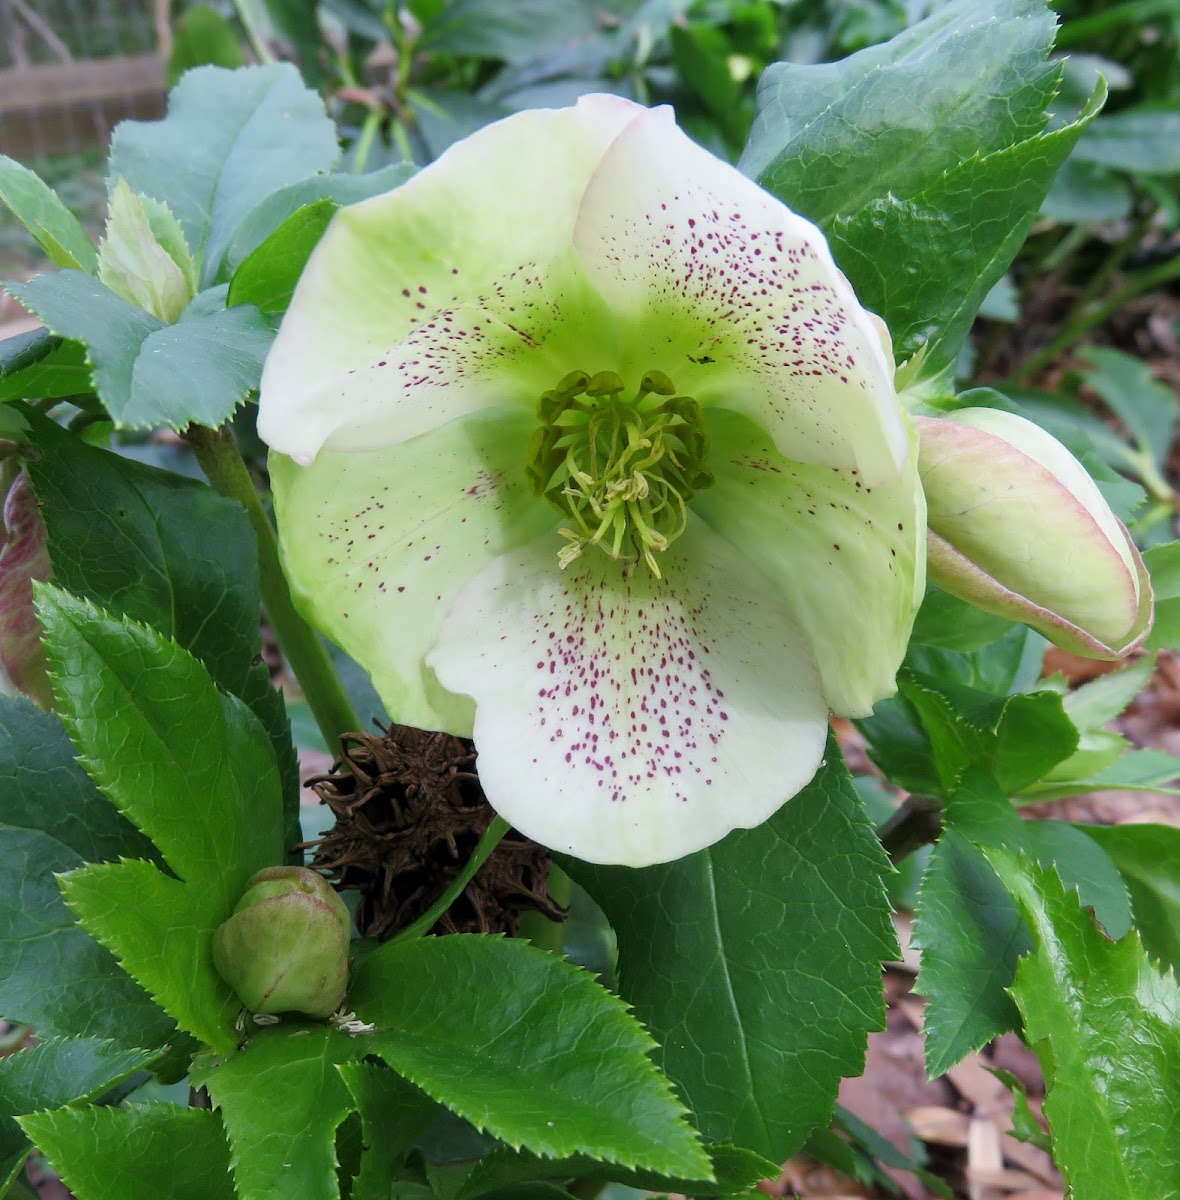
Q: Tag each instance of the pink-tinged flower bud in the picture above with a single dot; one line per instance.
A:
(1018, 527)
(23, 558)
(285, 947)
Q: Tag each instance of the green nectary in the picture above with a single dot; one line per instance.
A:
(622, 470)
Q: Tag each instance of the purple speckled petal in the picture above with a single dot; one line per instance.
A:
(629, 719)
(737, 300)
(377, 544)
(457, 291)
(847, 556)
(23, 558)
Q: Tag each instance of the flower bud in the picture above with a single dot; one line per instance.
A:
(144, 257)
(285, 947)
(1018, 528)
(24, 558)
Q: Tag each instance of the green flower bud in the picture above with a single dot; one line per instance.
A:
(1018, 527)
(285, 947)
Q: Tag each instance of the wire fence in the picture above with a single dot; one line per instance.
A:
(70, 70)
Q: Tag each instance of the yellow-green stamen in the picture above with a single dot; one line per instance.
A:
(623, 471)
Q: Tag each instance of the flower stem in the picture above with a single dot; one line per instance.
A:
(1083, 322)
(540, 930)
(915, 824)
(490, 840)
(302, 646)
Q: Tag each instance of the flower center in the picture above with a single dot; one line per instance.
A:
(622, 470)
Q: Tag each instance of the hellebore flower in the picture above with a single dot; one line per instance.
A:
(582, 443)
(285, 946)
(1018, 527)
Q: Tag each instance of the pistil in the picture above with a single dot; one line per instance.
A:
(621, 470)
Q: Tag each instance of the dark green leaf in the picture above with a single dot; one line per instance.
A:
(268, 275)
(1147, 857)
(1163, 562)
(922, 159)
(1025, 1126)
(1105, 1024)
(1145, 406)
(53, 1074)
(297, 21)
(280, 206)
(526, 1046)
(1017, 739)
(203, 37)
(719, 949)
(194, 769)
(145, 372)
(949, 623)
(56, 977)
(511, 30)
(734, 1170)
(967, 925)
(170, 552)
(393, 1114)
(1144, 139)
(258, 129)
(140, 1152)
(1084, 192)
(38, 365)
(54, 228)
(281, 1099)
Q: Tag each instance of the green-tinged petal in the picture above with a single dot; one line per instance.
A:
(457, 291)
(377, 544)
(737, 299)
(848, 556)
(628, 719)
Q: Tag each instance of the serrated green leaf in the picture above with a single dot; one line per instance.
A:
(268, 275)
(39, 364)
(145, 372)
(54, 228)
(923, 160)
(140, 1152)
(1083, 192)
(512, 30)
(719, 949)
(1105, 1024)
(967, 925)
(526, 1046)
(281, 1099)
(170, 552)
(1101, 700)
(280, 206)
(230, 139)
(734, 1169)
(949, 623)
(393, 1114)
(1163, 562)
(1134, 771)
(53, 1074)
(1017, 739)
(56, 977)
(1147, 857)
(194, 770)
(1025, 1126)
(203, 37)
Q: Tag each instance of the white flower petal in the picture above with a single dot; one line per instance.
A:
(848, 556)
(377, 544)
(737, 299)
(633, 720)
(457, 291)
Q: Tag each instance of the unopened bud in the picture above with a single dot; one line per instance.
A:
(285, 948)
(1018, 528)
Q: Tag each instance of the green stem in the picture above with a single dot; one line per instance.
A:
(302, 646)
(538, 929)
(490, 840)
(587, 1189)
(1082, 323)
(364, 143)
(1115, 259)
(916, 823)
(261, 50)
